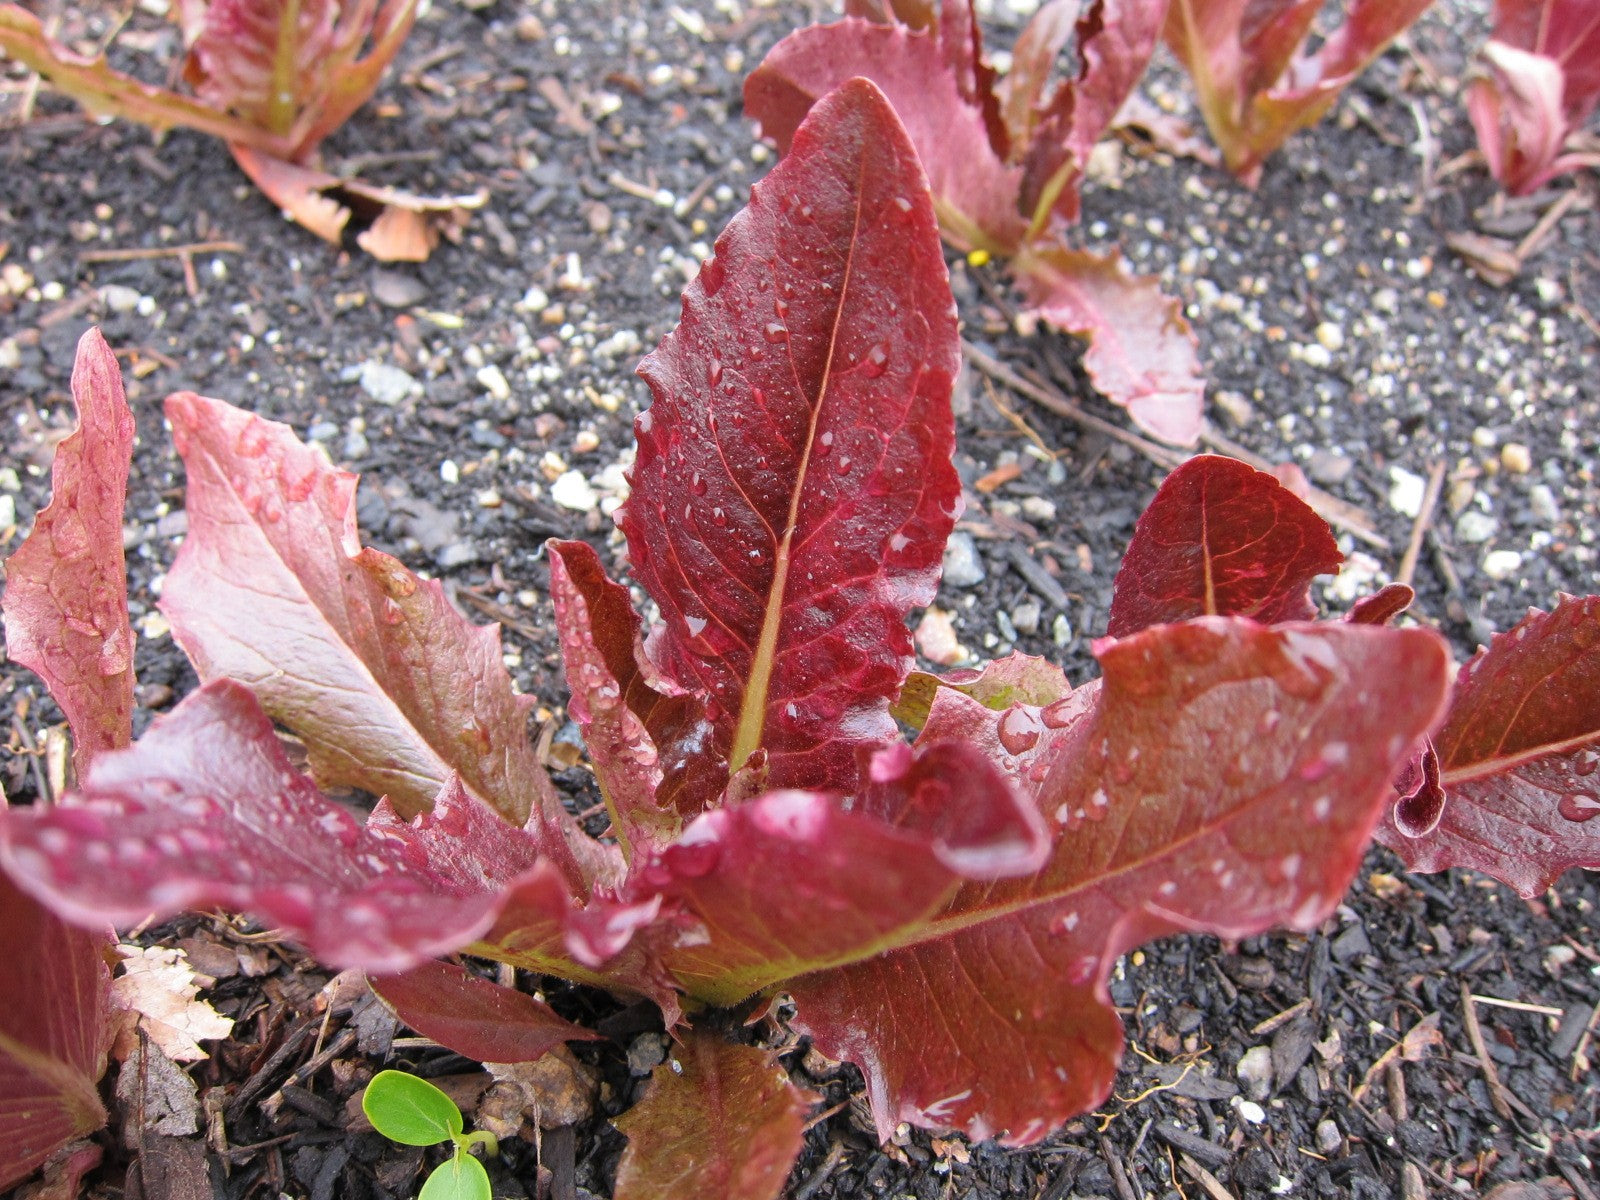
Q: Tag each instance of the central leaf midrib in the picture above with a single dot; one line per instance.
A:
(753, 711)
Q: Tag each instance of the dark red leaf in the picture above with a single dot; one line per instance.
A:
(793, 881)
(1141, 350)
(1383, 606)
(1226, 779)
(793, 487)
(391, 689)
(206, 810)
(1517, 757)
(644, 744)
(1221, 539)
(66, 597)
(474, 1017)
(54, 999)
(717, 1122)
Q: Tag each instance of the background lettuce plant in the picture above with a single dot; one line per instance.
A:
(943, 912)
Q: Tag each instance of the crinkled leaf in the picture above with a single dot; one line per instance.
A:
(1541, 83)
(1226, 780)
(717, 1122)
(66, 595)
(998, 684)
(793, 487)
(793, 881)
(54, 990)
(1221, 539)
(206, 810)
(1256, 83)
(975, 191)
(1141, 350)
(1518, 757)
(644, 744)
(390, 687)
(473, 1016)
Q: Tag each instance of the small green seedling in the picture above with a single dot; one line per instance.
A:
(413, 1112)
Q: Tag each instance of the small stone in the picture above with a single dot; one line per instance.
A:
(456, 554)
(395, 289)
(1025, 617)
(387, 383)
(534, 300)
(1329, 467)
(1329, 1139)
(936, 639)
(1255, 1072)
(621, 344)
(8, 511)
(10, 354)
(493, 380)
(1330, 337)
(1406, 489)
(1250, 1111)
(489, 498)
(585, 442)
(963, 567)
(1061, 630)
(119, 298)
(1542, 503)
(1515, 458)
(1316, 355)
(1485, 438)
(1235, 407)
(355, 446)
(449, 472)
(645, 1053)
(1037, 508)
(1473, 528)
(572, 490)
(1501, 565)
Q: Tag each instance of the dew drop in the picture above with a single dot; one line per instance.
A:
(1059, 714)
(1081, 970)
(903, 204)
(714, 372)
(718, 517)
(697, 484)
(642, 423)
(843, 465)
(1019, 729)
(1578, 806)
(1586, 762)
(393, 614)
(252, 440)
(877, 359)
(776, 331)
(825, 442)
(693, 860)
(712, 275)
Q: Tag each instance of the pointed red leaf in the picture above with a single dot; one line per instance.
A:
(66, 596)
(390, 687)
(54, 1001)
(644, 744)
(1221, 539)
(793, 881)
(793, 485)
(1518, 757)
(206, 810)
(717, 1122)
(1141, 350)
(468, 1014)
(975, 191)
(1226, 779)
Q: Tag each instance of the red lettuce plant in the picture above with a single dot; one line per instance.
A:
(272, 78)
(1541, 82)
(944, 913)
(1005, 158)
(1256, 80)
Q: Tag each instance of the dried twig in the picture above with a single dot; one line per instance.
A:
(1419, 527)
(1212, 1185)
(144, 252)
(1119, 1176)
(1497, 1091)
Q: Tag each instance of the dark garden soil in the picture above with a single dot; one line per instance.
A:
(487, 398)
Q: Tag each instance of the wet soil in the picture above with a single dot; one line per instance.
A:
(487, 398)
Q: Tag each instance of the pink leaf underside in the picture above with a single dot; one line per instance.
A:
(1518, 755)
(998, 684)
(976, 192)
(391, 689)
(474, 1017)
(717, 1122)
(231, 58)
(66, 594)
(793, 487)
(1225, 780)
(643, 743)
(1221, 539)
(1565, 30)
(794, 881)
(54, 996)
(1141, 351)
(206, 810)
(1516, 109)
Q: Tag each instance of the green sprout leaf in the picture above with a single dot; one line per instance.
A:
(460, 1177)
(413, 1112)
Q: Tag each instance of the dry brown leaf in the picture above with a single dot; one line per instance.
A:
(157, 995)
(552, 1091)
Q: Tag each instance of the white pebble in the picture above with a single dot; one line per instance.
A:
(572, 491)
(1405, 491)
(1501, 564)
